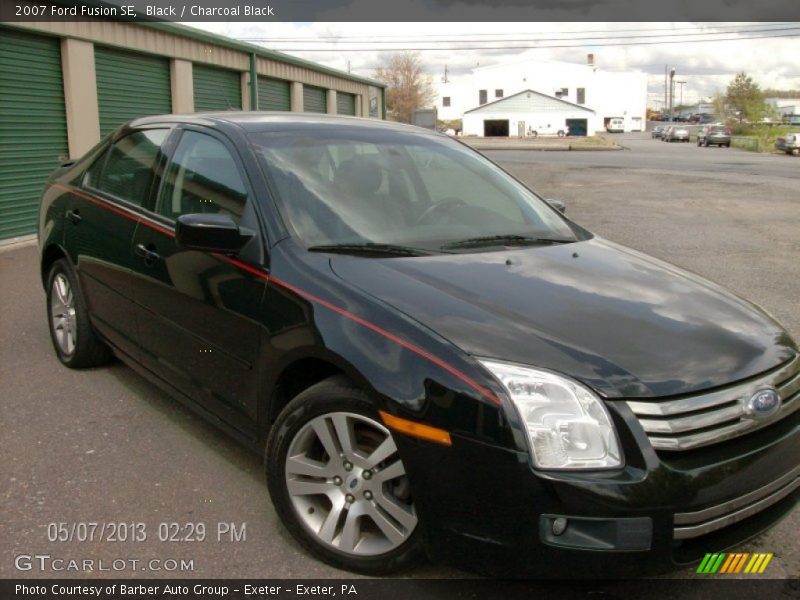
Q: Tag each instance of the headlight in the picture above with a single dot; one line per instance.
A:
(567, 425)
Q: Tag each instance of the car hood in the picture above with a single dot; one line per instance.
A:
(624, 323)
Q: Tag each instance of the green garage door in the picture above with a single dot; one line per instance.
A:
(216, 89)
(315, 99)
(273, 94)
(33, 126)
(130, 85)
(345, 104)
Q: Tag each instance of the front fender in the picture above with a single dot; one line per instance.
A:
(408, 369)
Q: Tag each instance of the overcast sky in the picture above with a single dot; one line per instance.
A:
(706, 67)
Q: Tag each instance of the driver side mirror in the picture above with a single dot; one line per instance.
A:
(557, 204)
(211, 233)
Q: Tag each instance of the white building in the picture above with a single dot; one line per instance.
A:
(785, 106)
(528, 113)
(610, 94)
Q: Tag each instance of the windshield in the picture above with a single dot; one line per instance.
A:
(348, 186)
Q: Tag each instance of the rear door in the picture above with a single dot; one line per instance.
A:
(198, 312)
(101, 221)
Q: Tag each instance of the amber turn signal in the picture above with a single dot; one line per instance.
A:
(418, 430)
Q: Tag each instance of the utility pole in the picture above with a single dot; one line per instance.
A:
(672, 94)
(445, 79)
(680, 83)
(666, 69)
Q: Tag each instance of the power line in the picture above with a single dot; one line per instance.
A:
(396, 38)
(795, 33)
(529, 39)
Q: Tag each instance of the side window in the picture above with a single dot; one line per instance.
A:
(202, 178)
(126, 171)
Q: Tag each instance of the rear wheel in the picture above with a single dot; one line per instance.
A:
(338, 483)
(75, 342)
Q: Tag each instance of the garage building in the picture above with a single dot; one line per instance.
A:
(529, 113)
(64, 86)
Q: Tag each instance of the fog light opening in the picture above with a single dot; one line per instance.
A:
(559, 525)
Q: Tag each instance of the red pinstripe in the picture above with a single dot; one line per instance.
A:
(308, 296)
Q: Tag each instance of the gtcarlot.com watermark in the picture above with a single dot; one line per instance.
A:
(46, 563)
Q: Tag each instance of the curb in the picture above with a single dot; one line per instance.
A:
(553, 148)
(17, 242)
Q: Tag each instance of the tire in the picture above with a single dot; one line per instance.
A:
(306, 512)
(699, 143)
(75, 342)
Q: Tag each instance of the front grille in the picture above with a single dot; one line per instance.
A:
(694, 524)
(703, 419)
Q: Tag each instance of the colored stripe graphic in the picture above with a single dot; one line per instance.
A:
(724, 563)
(740, 563)
(764, 564)
(702, 567)
(758, 563)
(711, 563)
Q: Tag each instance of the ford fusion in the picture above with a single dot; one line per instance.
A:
(435, 361)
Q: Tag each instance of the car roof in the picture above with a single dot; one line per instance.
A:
(252, 121)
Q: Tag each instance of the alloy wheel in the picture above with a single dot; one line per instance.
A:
(62, 314)
(348, 485)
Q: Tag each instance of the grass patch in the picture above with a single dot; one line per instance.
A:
(760, 138)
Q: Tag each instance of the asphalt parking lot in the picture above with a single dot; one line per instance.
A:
(104, 445)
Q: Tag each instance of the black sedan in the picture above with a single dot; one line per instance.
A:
(434, 360)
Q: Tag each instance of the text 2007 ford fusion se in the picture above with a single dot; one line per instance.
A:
(434, 360)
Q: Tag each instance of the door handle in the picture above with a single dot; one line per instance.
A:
(74, 216)
(148, 253)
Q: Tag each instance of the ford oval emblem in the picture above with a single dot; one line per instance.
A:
(763, 403)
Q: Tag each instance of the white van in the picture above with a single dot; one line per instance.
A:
(615, 125)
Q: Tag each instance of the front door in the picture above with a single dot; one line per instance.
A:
(199, 312)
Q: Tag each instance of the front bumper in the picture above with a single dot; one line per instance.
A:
(485, 509)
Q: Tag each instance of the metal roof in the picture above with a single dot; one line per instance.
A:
(529, 91)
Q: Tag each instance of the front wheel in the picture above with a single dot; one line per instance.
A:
(75, 342)
(338, 483)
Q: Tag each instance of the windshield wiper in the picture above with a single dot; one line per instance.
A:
(505, 240)
(371, 248)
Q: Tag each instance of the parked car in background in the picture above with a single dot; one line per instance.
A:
(615, 125)
(657, 132)
(789, 143)
(791, 119)
(714, 135)
(678, 134)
